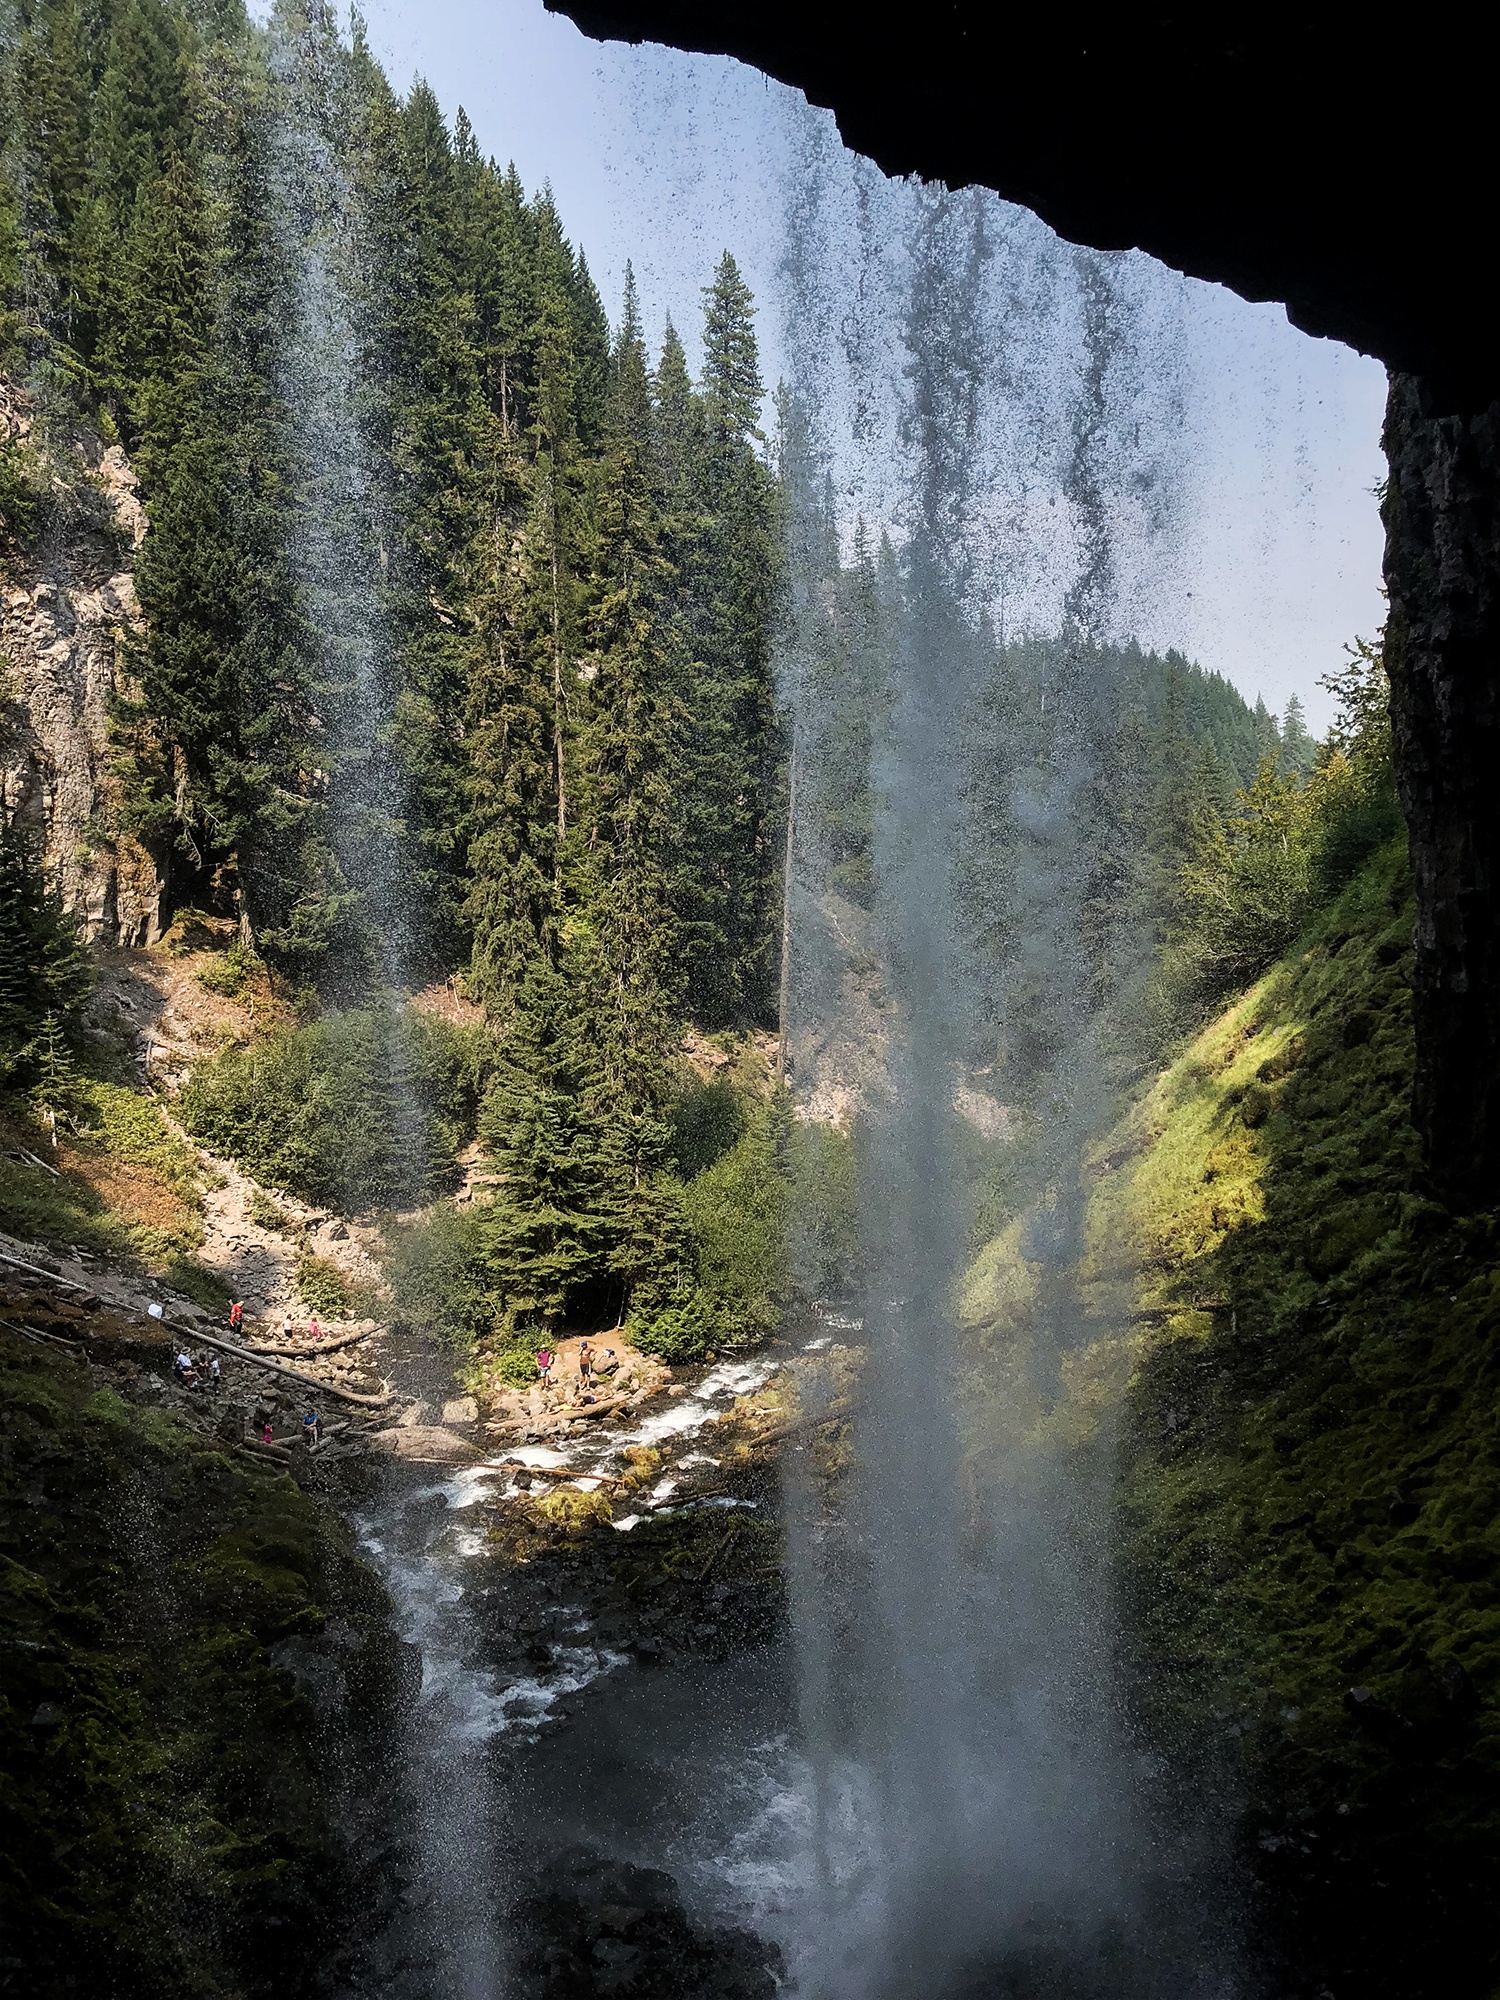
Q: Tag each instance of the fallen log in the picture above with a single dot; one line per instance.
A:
(282, 1453)
(571, 1410)
(312, 1347)
(42, 1272)
(275, 1368)
(196, 1335)
(781, 1431)
(35, 1333)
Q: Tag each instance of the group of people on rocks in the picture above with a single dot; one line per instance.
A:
(593, 1367)
(237, 1323)
(312, 1429)
(196, 1371)
(312, 1420)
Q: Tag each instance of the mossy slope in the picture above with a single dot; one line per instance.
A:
(169, 1800)
(1311, 1473)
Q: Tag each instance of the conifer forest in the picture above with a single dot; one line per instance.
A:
(714, 1275)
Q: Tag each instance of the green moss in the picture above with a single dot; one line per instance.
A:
(1311, 1474)
(166, 1803)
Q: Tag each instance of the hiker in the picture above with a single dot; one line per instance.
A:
(314, 1330)
(312, 1426)
(236, 1317)
(286, 1326)
(213, 1374)
(585, 1364)
(544, 1358)
(182, 1367)
(265, 1431)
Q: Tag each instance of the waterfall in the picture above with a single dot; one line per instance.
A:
(342, 541)
(976, 1816)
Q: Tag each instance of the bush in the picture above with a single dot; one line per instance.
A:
(439, 1271)
(230, 972)
(824, 1221)
(735, 1216)
(266, 1215)
(678, 1334)
(707, 1120)
(322, 1286)
(361, 1109)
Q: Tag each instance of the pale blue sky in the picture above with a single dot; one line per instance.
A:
(667, 158)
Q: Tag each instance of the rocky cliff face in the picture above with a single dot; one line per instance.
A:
(67, 610)
(1442, 566)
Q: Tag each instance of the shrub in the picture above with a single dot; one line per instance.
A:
(322, 1286)
(359, 1109)
(707, 1120)
(266, 1215)
(230, 972)
(439, 1271)
(824, 1208)
(735, 1216)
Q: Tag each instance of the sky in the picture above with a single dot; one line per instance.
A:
(666, 159)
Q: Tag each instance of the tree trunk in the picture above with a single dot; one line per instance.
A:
(1442, 570)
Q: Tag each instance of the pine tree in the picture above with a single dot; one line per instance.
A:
(1299, 749)
(725, 884)
(678, 432)
(540, 1126)
(140, 113)
(46, 973)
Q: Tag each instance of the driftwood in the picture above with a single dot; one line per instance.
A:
(275, 1368)
(561, 1473)
(312, 1347)
(836, 1416)
(601, 1409)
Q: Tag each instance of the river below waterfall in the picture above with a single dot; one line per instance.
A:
(613, 1701)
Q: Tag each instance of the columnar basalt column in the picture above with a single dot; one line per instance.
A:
(1442, 568)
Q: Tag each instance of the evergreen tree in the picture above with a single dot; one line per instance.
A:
(678, 432)
(1299, 750)
(725, 884)
(45, 969)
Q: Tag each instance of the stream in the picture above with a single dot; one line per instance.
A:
(559, 1730)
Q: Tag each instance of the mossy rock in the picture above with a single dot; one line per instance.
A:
(195, 1657)
(1311, 1469)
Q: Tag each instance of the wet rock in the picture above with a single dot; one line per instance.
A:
(588, 1926)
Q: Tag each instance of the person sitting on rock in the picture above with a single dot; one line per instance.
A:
(312, 1425)
(610, 1365)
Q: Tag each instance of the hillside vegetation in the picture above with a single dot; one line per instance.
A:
(1311, 1457)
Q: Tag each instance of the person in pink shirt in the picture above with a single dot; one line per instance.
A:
(314, 1329)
